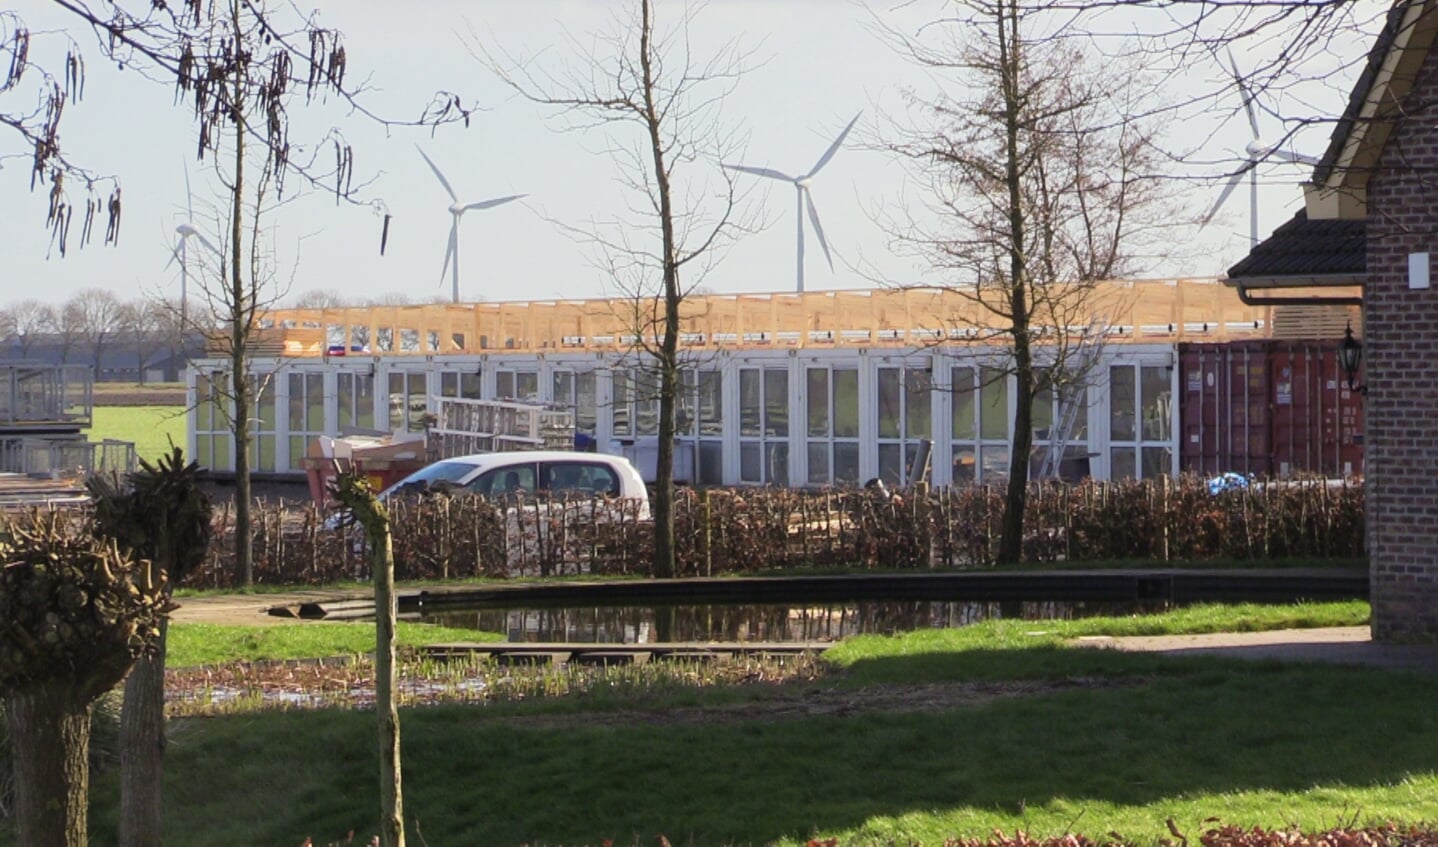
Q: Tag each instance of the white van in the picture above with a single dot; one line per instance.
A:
(530, 484)
(530, 472)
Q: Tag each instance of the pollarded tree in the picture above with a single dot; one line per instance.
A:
(1043, 180)
(660, 107)
(355, 496)
(78, 613)
(161, 517)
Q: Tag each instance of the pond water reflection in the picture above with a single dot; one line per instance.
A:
(745, 623)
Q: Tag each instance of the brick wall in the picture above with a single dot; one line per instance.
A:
(1401, 361)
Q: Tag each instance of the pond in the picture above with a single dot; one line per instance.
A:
(667, 624)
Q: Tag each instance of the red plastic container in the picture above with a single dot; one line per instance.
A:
(1269, 408)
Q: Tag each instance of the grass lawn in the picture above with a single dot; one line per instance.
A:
(151, 428)
(998, 725)
(191, 644)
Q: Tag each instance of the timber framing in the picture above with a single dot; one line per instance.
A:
(1125, 311)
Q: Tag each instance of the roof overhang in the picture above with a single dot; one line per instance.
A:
(1322, 290)
(1339, 188)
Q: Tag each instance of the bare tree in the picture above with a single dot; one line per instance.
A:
(1041, 183)
(658, 105)
(97, 315)
(320, 298)
(68, 330)
(27, 321)
(141, 323)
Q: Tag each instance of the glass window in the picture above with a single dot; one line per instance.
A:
(994, 404)
(1155, 388)
(356, 400)
(1157, 461)
(846, 463)
(459, 384)
(1122, 463)
(711, 403)
(995, 460)
(749, 462)
(408, 401)
(888, 403)
(818, 463)
(918, 415)
(1043, 414)
(584, 477)
(891, 467)
(776, 468)
(620, 407)
(1122, 407)
(776, 403)
(965, 469)
(750, 409)
(961, 401)
(846, 404)
(505, 482)
(816, 392)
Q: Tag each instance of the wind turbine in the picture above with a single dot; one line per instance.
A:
(458, 209)
(187, 230)
(805, 198)
(1258, 153)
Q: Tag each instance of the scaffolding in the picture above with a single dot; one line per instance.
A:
(465, 426)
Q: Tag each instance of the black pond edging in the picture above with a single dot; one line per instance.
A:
(1178, 585)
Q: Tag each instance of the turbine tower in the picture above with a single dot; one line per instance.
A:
(457, 210)
(187, 230)
(804, 197)
(1257, 153)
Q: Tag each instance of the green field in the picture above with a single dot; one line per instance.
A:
(151, 428)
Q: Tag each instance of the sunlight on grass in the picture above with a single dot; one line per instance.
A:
(150, 428)
(192, 644)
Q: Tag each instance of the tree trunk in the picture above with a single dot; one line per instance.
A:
(669, 342)
(386, 704)
(239, 333)
(142, 749)
(1011, 538)
(49, 749)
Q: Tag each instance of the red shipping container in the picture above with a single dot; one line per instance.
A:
(1268, 408)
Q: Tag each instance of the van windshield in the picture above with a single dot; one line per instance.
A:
(437, 472)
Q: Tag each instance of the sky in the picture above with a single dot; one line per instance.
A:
(814, 65)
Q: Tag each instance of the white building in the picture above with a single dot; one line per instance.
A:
(807, 390)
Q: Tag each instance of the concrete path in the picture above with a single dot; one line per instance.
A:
(252, 609)
(1351, 645)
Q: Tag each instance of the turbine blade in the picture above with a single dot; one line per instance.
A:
(490, 204)
(1247, 94)
(189, 195)
(442, 180)
(175, 254)
(769, 172)
(833, 148)
(449, 250)
(818, 228)
(1227, 190)
(1292, 156)
(205, 241)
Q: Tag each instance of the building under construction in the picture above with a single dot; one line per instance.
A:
(824, 388)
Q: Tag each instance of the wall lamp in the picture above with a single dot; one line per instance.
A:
(1350, 356)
